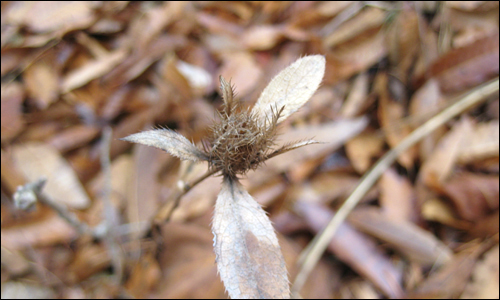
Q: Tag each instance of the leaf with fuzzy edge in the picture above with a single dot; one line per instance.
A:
(291, 146)
(292, 87)
(227, 95)
(170, 141)
(249, 258)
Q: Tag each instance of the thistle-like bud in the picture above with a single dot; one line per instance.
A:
(239, 142)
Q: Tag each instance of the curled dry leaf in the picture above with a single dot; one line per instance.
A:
(170, 141)
(249, 258)
(291, 88)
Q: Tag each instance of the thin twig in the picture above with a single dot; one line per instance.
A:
(27, 195)
(168, 208)
(313, 252)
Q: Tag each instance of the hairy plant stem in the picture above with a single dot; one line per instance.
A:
(165, 212)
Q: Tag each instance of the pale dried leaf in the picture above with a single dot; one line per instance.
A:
(358, 96)
(24, 290)
(249, 258)
(485, 278)
(261, 37)
(365, 20)
(439, 166)
(363, 149)
(397, 197)
(12, 121)
(92, 70)
(170, 141)
(291, 88)
(483, 142)
(41, 80)
(48, 231)
(36, 160)
(43, 17)
(198, 78)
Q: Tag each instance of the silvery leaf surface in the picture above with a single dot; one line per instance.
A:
(291, 88)
(249, 258)
(170, 141)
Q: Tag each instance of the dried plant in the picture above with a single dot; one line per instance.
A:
(249, 258)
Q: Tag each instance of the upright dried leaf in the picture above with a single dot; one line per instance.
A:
(170, 141)
(291, 88)
(227, 95)
(249, 258)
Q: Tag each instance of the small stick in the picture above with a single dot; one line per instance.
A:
(26, 196)
(168, 208)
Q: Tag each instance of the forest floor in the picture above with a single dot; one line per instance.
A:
(78, 76)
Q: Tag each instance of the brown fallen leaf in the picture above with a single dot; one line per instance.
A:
(439, 166)
(437, 210)
(355, 249)
(243, 71)
(144, 276)
(262, 37)
(474, 195)
(424, 103)
(486, 227)
(355, 56)
(188, 268)
(363, 149)
(143, 192)
(412, 241)
(403, 40)
(12, 120)
(356, 101)
(43, 17)
(397, 197)
(15, 262)
(73, 137)
(80, 77)
(36, 160)
(367, 19)
(50, 230)
(88, 260)
(483, 142)
(485, 278)
(331, 135)
(390, 113)
(450, 280)
(42, 83)
(468, 66)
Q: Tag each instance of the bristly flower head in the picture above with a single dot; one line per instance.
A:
(239, 142)
(249, 259)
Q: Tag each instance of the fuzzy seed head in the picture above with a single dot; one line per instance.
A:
(239, 142)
